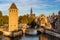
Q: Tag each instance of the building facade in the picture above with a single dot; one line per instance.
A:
(44, 22)
(57, 24)
(52, 19)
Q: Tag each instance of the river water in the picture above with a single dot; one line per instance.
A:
(22, 38)
(39, 37)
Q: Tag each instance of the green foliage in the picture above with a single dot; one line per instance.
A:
(20, 18)
(1, 22)
(1, 33)
(0, 13)
(23, 19)
(30, 19)
(5, 19)
(26, 19)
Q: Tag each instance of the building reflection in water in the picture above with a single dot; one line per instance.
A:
(7, 38)
(23, 38)
(43, 37)
(47, 37)
(40, 37)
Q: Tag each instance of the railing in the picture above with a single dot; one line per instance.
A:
(52, 33)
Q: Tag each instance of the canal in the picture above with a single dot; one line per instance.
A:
(39, 37)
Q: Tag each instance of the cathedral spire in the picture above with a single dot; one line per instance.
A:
(31, 11)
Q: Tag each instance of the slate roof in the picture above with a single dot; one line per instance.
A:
(13, 6)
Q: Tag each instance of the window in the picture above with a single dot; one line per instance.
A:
(13, 10)
(14, 25)
(10, 25)
(10, 10)
(16, 10)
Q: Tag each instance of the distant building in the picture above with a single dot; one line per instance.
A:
(57, 24)
(13, 18)
(31, 13)
(44, 22)
(52, 19)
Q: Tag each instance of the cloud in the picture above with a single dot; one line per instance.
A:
(4, 6)
(25, 5)
(57, 1)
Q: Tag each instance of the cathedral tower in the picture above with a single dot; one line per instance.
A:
(31, 11)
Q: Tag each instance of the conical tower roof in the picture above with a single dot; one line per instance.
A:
(13, 6)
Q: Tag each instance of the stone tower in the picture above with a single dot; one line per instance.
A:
(13, 18)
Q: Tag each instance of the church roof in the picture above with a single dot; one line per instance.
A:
(13, 6)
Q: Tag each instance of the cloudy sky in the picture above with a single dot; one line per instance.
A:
(39, 6)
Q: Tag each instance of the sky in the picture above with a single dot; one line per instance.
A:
(46, 7)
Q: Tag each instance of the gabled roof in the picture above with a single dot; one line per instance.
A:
(13, 6)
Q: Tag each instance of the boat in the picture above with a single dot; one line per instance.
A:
(31, 32)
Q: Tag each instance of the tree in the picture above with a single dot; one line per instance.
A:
(30, 19)
(20, 18)
(24, 19)
(1, 22)
(5, 19)
(0, 13)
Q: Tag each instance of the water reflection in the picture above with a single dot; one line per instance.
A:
(43, 37)
(7, 38)
(30, 38)
(40, 37)
(23, 38)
